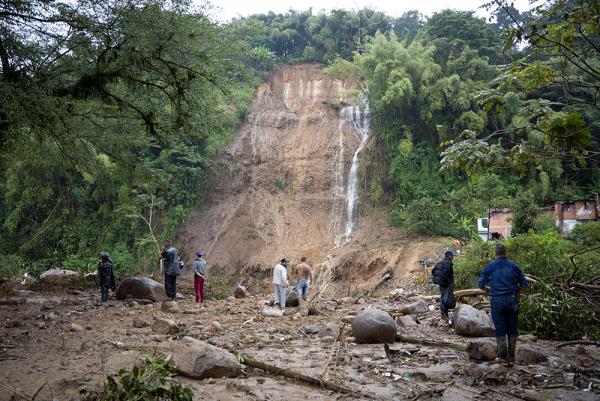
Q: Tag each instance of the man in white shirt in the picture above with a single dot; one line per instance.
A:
(280, 282)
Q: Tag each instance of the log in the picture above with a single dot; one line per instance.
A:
(431, 343)
(472, 292)
(579, 342)
(290, 374)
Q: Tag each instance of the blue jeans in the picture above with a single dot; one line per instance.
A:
(279, 295)
(443, 296)
(302, 288)
(505, 314)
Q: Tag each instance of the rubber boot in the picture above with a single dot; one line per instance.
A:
(502, 350)
(512, 347)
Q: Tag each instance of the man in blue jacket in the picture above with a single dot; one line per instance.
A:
(505, 280)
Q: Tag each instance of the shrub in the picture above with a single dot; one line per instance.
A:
(12, 266)
(470, 263)
(587, 234)
(217, 288)
(150, 382)
(543, 223)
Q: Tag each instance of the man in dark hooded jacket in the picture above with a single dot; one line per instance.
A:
(172, 267)
(105, 277)
(443, 275)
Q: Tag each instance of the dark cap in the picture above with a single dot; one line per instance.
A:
(449, 253)
(285, 260)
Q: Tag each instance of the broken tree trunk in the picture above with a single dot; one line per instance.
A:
(579, 342)
(430, 343)
(246, 360)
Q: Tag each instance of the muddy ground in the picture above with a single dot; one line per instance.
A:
(64, 341)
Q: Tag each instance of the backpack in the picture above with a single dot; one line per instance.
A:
(439, 274)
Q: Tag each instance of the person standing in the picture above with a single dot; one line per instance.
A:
(105, 277)
(305, 276)
(280, 282)
(172, 269)
(506, 280)
(443, 275)
(199, 277)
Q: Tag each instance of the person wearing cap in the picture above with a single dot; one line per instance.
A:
(105, 278)
(280, 282)
(199, 277)
(506, 281)
(443, 275)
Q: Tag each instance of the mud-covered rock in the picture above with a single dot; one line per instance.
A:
(292, 300)
(169, 307)
(272, 311)
(165, 326)
(199, 360)
(214, 327)
(57, 276)
(374, 326)
(406, 321)
(311, 328)
(413, 308)
(240, 292)
(481, 350)
(141, 288)
(472, 322)
(528, 355)
(139, 322)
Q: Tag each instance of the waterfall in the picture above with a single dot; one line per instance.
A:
(357, 117)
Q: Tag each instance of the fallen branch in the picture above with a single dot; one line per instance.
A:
(472, 292)
(579, 342)
(15, 392)
(430, 343)
(246, 360)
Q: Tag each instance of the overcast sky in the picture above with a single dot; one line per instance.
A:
(228, 9)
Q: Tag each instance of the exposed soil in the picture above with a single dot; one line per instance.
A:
(38, 345)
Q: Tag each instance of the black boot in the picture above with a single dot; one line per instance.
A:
(502, 350)
(512, 346)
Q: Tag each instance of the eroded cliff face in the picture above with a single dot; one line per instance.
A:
(280, 191)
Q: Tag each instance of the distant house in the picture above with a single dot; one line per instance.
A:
(499, 224)
(567, 214)
(570, 213)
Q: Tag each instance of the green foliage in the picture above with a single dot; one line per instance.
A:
(587, 234)
(375, 192)
(549, 313)
(471, 262)
(544, 222)
(149, 382)
(217, 288)
(525, 211)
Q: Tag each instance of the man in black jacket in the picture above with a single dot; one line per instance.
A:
(105, 277)
(443, 275)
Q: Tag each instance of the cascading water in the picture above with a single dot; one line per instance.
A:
(356, 117)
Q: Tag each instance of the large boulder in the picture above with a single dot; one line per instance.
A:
(57, 276)
(413, 308)
(472, 322)
(292, 299)
(165, 326)
(240, 292)
(198, 360)
(141, 288)
(374, 326)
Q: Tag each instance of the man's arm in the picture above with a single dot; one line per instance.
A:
(484, 277)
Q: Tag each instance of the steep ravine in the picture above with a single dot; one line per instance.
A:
(282, 186)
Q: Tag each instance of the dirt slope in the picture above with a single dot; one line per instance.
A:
(278, 189)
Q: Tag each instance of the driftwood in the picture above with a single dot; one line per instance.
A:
(430, 343)
(248, 361)
(579, 342)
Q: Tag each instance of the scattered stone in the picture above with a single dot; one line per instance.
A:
(169, 307)
(296, 316)
(481, 350)
(528, 338)
(132, 303)
(311, 328)
(561, 394)
(529, 356)
(240, 292)
(75, 327)
(292, 300)
(569, 378)
(141, 288)
(231, 298)
(179, 295)
(199, 360)
(413, 308)
(271, 311)
(406, 321)
(41, 325)
(361, 301)
(348, 319)
(57, 276)
(165, 326)
(437, 372)
(139, 322)
(346, 300)
(214, 327)
(312, 310)
(472, 322)
(374, 326)
(327, 339)
(397, 294)
(328, 331)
